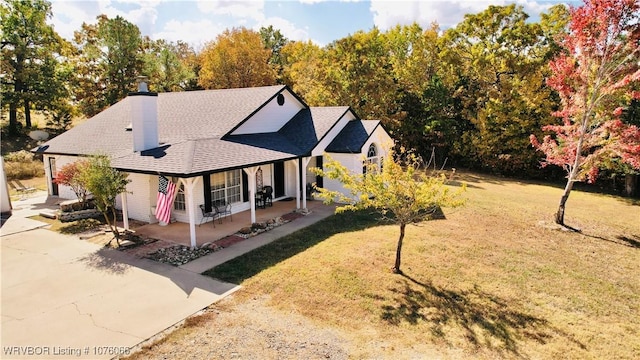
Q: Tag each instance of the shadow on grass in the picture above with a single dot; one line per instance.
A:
(82, 225)
(243, 267)
(486, 321)
(630, 241)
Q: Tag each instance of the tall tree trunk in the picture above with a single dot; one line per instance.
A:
(563, 201)
(396, 268)
(27, 114)
(574, 170)
(13, 118)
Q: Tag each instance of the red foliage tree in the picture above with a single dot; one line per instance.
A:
(69, 175)
(594, 76)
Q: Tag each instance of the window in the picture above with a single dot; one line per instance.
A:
(180, 203)
(372, 158)
(226, 187)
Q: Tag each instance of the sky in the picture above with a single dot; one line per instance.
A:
(200, 21)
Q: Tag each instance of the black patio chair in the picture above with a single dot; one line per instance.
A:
(268, 195)
(211, 214)
(224, 209)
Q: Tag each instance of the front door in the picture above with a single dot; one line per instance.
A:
(278, 179)
(53, 172)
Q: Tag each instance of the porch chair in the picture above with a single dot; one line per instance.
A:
(268, 195)
(223, 209)
(20, 188)
(211, 214)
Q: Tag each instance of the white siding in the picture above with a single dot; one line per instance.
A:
(272, 116)
(382, 140)
(290, 178)
(141, 196)
(353, 162)
(64, 192)
(311, 176)
(341, 123)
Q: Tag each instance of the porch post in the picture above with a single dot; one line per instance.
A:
(297, 164)
(189, 189)
(305, 163)
(125, 211)
(251, 176)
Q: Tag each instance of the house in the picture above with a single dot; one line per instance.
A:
(216, 145)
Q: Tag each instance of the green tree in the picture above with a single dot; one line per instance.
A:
(496, 60)
(358, 72)
(401, 192)
(29, 59)
(236, 59)
(104, 183)
(168, 65)
(275, 41)
(108, 62)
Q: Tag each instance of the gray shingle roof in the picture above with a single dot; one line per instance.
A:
(192, 131)
(353, 136)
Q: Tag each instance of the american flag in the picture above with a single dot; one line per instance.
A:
(166, 190)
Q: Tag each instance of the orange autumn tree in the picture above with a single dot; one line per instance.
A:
(69, 175)
(594, 76)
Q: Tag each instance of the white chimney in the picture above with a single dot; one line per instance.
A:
(144, 117)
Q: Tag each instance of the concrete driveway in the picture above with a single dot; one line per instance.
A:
(66, 298)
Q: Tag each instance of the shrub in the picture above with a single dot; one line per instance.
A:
(21, 165)
(19, 156)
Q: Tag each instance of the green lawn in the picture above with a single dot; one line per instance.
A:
(493, 280)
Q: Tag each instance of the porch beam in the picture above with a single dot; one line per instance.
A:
(305, 163)
(251, 176)
(125, 211)
(189, 190)
(297, 166)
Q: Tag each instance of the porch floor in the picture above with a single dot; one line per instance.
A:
(179, 232)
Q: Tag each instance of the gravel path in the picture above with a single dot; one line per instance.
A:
(248, 330)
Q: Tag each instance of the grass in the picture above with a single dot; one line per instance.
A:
(494, 280)
(71, 227)
(39, 183)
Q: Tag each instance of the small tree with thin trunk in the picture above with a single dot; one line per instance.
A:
(401, 192)
(104, 183)
(69, 175)
(594, 77)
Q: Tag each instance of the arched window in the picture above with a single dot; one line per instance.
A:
(372, 158)
(373, 151)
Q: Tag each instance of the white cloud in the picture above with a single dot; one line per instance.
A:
(69, 15)
(447, 14)
(287, 28)
(251, 9)
(196, 33)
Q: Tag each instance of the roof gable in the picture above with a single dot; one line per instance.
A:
(353, 136)
(272, 115)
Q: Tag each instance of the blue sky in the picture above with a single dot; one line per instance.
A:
(198, 22)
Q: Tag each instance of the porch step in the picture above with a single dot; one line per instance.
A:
(49, 214)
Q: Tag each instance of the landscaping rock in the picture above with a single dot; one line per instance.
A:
(77, 215)
(179, 254)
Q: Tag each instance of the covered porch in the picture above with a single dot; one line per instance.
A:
(179, 232)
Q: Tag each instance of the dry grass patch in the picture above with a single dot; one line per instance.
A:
(490, 281)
